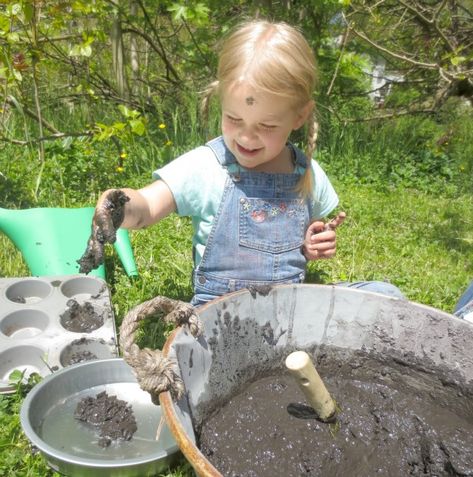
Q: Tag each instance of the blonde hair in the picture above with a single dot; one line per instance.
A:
(274, 58)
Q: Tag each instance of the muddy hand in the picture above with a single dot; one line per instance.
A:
(108, 216)
(320, 238)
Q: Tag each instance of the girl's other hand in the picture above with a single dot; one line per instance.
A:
(320, 238)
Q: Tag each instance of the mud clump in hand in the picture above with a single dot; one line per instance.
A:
(108, 217)
(113, 417)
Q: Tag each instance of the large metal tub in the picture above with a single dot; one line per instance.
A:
(249, 331)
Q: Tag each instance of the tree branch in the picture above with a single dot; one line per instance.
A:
(337, 67)
(439, 9)
(378, 117)
(160, 51)
(430, 23)
(392, 115)
(33, 115)
(151, 43)
(431, 66)
(35, 67)
(53, 137)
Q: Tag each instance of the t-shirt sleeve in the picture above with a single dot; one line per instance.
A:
(325, 199)
(192, 181)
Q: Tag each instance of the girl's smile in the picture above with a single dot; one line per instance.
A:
(247, 152)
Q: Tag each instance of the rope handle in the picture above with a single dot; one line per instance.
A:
(154, 372)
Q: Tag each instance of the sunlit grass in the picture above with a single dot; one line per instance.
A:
(420, 242)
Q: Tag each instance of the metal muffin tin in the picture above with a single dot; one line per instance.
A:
(36, 335)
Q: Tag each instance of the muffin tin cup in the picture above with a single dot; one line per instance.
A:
(49, 323)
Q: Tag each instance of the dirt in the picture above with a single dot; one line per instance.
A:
(262, 290)
(80, 357)
(106, 221)
(113, 417)
(81, 318)
(394, 419)
(19, 299)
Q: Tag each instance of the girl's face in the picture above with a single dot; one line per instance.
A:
(256, 126)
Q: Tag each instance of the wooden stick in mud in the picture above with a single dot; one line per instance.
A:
(303, 370)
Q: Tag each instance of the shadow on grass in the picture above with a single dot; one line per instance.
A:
(455, 233)
(316, 276)
(14, 194)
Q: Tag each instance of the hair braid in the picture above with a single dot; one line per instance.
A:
(312, 135)
(207, 95)
(306, 184)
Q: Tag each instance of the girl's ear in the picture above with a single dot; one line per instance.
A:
(303, 113)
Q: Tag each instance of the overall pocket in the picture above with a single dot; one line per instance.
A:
(272, 225)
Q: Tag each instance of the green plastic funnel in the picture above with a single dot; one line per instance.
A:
(51, 240)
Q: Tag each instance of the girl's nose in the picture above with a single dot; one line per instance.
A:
(247, 134)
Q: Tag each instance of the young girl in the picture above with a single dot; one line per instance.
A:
(255, 199)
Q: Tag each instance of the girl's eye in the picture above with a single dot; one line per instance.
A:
(268, 127)
(232, 119)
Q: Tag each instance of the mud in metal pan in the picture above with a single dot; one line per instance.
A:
(71, 447)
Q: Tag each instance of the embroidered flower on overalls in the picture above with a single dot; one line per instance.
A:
(258, 215)
(261, 210)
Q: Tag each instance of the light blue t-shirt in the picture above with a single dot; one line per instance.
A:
(197, 180)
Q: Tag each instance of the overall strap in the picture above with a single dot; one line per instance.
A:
(223, 155)
(221, 151)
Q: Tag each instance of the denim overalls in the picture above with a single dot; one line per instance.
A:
(257, 232)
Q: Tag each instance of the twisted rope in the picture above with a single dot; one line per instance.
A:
(154, 372)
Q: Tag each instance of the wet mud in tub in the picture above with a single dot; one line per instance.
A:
(396, 417)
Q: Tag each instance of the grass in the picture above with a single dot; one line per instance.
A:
(421, 243)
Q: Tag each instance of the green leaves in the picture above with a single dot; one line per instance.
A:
(198, 13)
(457, 60)
(16, 377)
(105, 131)
(28, 11)
(137, 126)
(84, 48)
(127, 112)
(134, 123)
